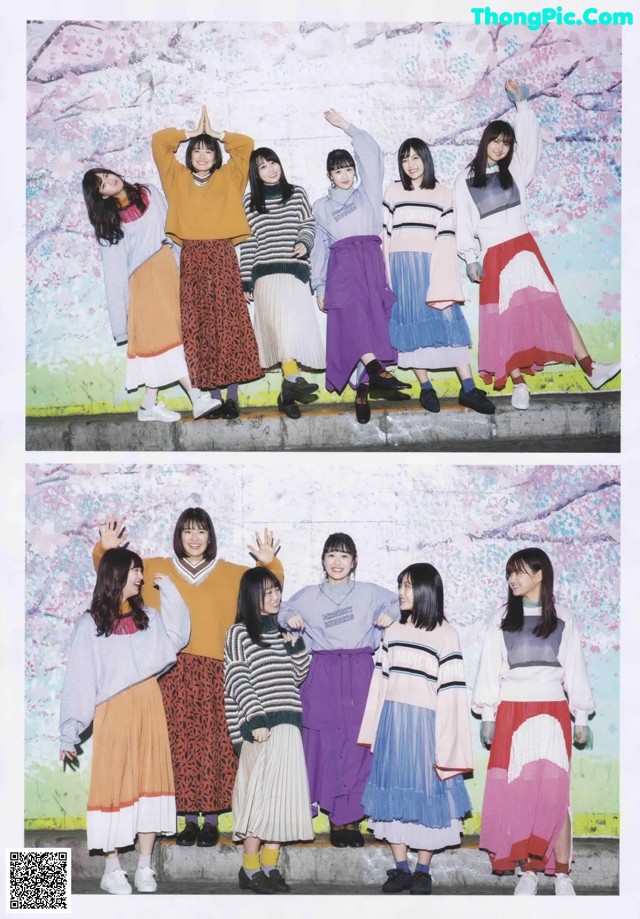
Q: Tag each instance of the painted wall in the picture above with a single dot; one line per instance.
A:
(466, 520)
(97, 91)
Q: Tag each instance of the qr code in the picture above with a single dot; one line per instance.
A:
(39, 879)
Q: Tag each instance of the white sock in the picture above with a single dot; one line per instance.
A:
(149, 400)
(112, 863)
(144, 861)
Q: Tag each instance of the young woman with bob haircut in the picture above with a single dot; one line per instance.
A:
(142, 288)
(203, 759)
(263, 669)
(342, 621)
(532, 683)
(118, 649)
(416, 723)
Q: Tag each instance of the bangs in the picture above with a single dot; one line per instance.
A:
(196, 519)
(342, 163)
(517, 563)
(266, 155)
(204, 142)
(340, 542)
(136, 561)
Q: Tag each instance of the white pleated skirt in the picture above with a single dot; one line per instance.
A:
(271, 791)
(286, 322)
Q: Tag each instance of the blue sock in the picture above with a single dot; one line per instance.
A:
(468, 385)
(211, 818)
(424, 868)
(403, 866)
(215, 394)
(426, 385)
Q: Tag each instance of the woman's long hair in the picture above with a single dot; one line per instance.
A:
(104, 213)
(428, 596)
(421, 147)
(113, 572)
(534, 560)
(478, 165)
(253, 584)
(195, 517)
(257, 186)
(211, 143)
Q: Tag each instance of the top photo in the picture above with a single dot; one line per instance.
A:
(314, 236)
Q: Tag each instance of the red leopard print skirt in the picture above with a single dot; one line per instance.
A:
(204, 764)
(219, 343)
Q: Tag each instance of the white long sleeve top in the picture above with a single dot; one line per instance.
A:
(500, 214)
(519, 667)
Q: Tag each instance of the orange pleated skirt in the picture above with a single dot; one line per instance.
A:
(131, 789)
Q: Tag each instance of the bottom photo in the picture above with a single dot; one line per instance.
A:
(325, 678)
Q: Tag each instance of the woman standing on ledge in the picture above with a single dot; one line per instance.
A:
(207, 219)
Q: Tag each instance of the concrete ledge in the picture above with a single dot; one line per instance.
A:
(569, 422)
(596, 863)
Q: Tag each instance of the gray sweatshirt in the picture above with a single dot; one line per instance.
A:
(340, 616)
(98, 668)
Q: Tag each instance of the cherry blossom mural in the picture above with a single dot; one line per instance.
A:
(98, 89)
(573, 512)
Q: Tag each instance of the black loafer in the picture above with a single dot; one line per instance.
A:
(421, 882)
(386, 380)
(289, 408)
(397, 881)
(278, 882)
(218, 412)
(338, 836)
(355, 839)
(363, 409)
(294, 389)
(429, 400)
(208, 836)
(477, 400)
(258, 882)
(188, 836)
(230, 409)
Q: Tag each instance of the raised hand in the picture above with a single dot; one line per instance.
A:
(336, 119)
(113, 533)
(266, 547)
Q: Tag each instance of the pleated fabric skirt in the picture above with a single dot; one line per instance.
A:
(131, 789)
(216, 329)
(204, 762)
(526, 795)
(271, 793)
(523, 323)
(405, 799)
(155, 355)
(286, 321)
(425, 337)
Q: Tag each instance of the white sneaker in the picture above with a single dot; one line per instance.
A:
(520, 398)
(145, 880)
(564, 886)
(527, 886)
(204, 404)
(115, 882)
(159, 412)
(601, 373)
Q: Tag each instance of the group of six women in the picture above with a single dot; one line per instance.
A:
(383, 267)
(348, 697)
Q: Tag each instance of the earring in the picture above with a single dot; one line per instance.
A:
(333, 184)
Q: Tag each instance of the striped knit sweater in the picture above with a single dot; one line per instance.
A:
(261, 684)
(424, 669)
(274, 235)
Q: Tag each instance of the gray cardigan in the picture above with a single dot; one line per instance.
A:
(98, 668)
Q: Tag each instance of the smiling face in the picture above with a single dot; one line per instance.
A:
(497, 149)
(109, 185)
(271, 597)
(413, 167)
(269, 172)
(526, 583)
(133, 583)
(338, 565)
(195, 540)
(343, 177)
(405, 593)
(202, 159)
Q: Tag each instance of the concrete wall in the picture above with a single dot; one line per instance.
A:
(97, 90)
(466, 520)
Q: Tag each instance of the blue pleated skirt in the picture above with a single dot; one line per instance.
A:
(403, 785)
(413, 324)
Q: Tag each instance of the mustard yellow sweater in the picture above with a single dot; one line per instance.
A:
(211, 211)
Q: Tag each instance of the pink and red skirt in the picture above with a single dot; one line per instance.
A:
(523, 323)
(526, 796)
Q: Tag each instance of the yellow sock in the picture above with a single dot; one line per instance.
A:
(269, 857)
(251, 862)
(290, 369)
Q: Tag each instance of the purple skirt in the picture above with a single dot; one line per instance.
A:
(358, 302)
(333, 697)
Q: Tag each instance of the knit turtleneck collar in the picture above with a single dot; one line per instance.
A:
(273, 191)
(270, 624)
